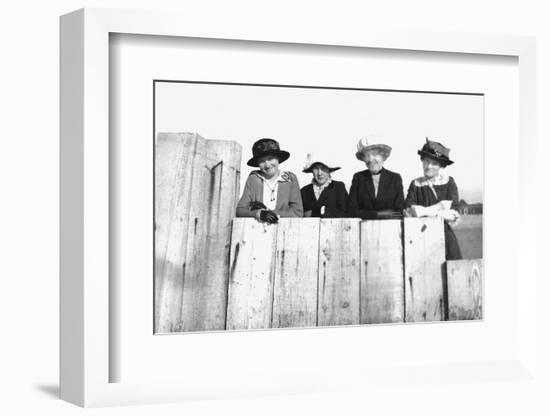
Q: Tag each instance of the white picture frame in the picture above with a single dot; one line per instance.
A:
(84, 202)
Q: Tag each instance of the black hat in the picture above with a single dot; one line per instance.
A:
(309, 169)
(266, 147)
(436, 151)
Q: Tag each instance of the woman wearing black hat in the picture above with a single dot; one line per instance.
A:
(324, 197)
(436, 194)
(270, 193)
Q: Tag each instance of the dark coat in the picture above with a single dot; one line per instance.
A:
(420, 193)
(363, 203)
(334, 197)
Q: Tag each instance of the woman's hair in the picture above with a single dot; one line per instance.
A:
(269, 156)
(423, 157)
(321, 166)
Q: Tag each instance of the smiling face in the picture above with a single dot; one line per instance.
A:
(431, 167)
(374, 161)
(321, 174)
(269, 166)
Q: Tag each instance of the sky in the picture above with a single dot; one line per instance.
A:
(329, 123)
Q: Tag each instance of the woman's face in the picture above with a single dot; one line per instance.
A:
(269, 166)
(431, 167)
(374, 161)
(321, 174)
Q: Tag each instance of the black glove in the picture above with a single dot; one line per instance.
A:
(388, 213)
(254, 205)
(269, 216)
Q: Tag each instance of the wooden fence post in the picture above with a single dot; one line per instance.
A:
(382, 291)
(296, 273)
(424, 245)
(189, 296)
(339, 272)
(465, 289)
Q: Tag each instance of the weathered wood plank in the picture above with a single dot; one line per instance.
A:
(193, 213)
(465, 289)
(250, 297)
(205, 293)
(424, 246)
(296, 273)
(339, 272)
(174, 164)
(382, 291)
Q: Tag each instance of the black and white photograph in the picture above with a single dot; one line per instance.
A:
(284, 206)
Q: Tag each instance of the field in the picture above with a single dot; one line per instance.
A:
(469, 232)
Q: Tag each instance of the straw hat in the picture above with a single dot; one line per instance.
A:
(363, 146)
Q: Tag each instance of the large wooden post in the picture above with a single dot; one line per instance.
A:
(196, 188)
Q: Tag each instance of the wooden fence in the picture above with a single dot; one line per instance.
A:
(320, 272)
(217, 272)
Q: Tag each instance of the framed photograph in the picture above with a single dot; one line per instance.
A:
(321, 200)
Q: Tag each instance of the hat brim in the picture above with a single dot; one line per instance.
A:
(444, 161)
(383, 149)
(281, 155)
(310, 169)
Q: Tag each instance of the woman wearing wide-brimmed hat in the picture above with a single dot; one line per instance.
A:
(375, 193)
(435, 193)
(323, 197)
(270, 193)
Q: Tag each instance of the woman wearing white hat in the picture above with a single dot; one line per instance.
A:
(376, 192)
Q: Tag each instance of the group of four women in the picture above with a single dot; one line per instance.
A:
(375, 193)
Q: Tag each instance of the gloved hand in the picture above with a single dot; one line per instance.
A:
(388, 213)
(254, 205)
(449, 215)
(268, 216)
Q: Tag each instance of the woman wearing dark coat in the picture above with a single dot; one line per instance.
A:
(436, 194)
(324, 197)
(376, 192)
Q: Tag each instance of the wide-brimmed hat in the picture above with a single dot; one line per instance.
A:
(266, 147)
(310, 164)
(435, 150)
(363, 146)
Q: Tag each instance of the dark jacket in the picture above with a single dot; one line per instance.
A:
(363, 203)
(289, 201)
(334, 198)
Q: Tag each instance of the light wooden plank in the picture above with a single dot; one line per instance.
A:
(214, 196)
(465, 289)
(382, 291)
(424, 245)
(296, 273)
(250, 296)
(339, 272)
(174, 164)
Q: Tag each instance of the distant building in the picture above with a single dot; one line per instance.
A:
(470, 209)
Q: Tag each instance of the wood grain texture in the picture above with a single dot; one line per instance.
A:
(193, 213)
(296, 273)
(251, 275)
(382, 290)
(465, 289)
(339, 272)
(424, 245)
(174, 165)
(213, 207)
